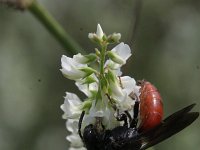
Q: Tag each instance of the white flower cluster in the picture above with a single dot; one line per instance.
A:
(105, 88)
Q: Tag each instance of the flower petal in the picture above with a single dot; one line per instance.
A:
(75, 140)
(72, 125)
(123, 51)
(99, 31)
(71, 68)
(86, 87)
(115, 67)
(80, 58)
(71, 106)
(128, 84)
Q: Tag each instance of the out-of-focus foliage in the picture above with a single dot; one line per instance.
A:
(166, 52)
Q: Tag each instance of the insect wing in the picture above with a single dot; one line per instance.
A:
(170, 126)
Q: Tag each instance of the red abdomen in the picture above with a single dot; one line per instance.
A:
(151, 107)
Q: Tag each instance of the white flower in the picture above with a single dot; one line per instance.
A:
(120, 94)
(84, 59)
(109, 120)
(123, 101)
(120, 53)
(122, 50)
(72, 69)
(115, 67)
(72, 106)
(90, 88)
(98, 35)
(101, 109)
(129, 85)
(74, 139)
(72, 125)
(118, 56)
(137, 91)
(80, 58)
(87, 89)
(116, 88)
(98, 108)
(114, 38)
(99, 32)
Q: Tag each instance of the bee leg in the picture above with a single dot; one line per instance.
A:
(135, 115)
(129, 117)
(80, 124)
(122, 117)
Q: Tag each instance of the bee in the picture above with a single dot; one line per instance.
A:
(151, 130)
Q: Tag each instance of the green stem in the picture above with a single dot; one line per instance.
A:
(55, 28)
(102, 73)
(103, 55)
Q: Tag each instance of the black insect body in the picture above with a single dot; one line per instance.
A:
(117, 139)
(128, 138)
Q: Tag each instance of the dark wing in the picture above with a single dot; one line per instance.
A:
(170, 126)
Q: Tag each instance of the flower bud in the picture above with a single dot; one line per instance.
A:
(84, 59)
(97, 52)
(93, 37)
(88, 71)
(72, 69)
(114, 38)
(98, 36)
(116, 58)
(99, 32)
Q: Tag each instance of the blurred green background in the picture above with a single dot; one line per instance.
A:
(166, 52)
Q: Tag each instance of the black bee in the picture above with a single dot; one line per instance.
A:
(127, 137)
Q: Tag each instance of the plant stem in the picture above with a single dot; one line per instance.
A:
(55, 28)
(103, 55)
(102, 73)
